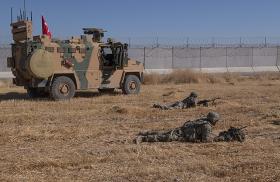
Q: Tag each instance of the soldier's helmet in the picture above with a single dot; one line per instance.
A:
(193, 94)
(213, 117)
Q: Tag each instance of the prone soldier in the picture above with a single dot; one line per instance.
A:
(188, 102)
(199, 130)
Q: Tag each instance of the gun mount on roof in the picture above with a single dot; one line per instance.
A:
(97, 33)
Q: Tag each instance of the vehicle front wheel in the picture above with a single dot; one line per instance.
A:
(131, 85)
(63, 88)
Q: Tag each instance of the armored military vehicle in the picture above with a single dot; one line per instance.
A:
(59, 68)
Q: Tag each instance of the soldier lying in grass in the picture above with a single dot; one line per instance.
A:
(188, 102)
(199, 130)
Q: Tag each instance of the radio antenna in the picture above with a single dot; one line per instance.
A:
(20, 14)
(24, 10)
(11, 15)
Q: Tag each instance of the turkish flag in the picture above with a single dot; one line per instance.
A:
(45, 28)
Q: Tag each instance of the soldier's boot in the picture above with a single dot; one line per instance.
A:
(147, 133)
(156, 106)
(163, 107)
(138, 140)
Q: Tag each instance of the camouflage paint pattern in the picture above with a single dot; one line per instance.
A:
(80, 67)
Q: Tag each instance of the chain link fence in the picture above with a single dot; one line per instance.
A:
(196, 42)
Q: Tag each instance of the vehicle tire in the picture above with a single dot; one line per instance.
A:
(131, 85)
(107, 90)
(63, 88)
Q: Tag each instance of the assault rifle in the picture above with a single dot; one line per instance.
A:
(205, 102)
(238, 129)
(232, 134)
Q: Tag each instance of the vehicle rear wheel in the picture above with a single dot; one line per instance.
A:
(62, 88)
(131, 85)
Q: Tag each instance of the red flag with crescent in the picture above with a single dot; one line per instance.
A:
(45, 28)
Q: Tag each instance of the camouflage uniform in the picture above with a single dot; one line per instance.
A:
(192, 131)
(188, 102)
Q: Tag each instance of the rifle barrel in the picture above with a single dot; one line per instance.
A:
(242, 127)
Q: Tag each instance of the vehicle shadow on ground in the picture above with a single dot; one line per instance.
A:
(13, 96)
(95, 94)
(24, 96)
(20, 96)
(86, 94)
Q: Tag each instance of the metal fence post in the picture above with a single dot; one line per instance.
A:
(144, 57)
(213, 42)
(252, 61)
(157, 42)
(227, 59)
(172, 57)
(277, 58)
(129, 42)
(200, 58)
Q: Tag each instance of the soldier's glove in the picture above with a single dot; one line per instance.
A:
(219, 138)
(138, 140)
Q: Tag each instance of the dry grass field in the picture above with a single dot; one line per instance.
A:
(89, 138)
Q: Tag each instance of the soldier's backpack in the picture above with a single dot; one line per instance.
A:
(191, 130)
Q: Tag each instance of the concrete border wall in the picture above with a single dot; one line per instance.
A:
(186, 58)
(232, 59)
(4, 53)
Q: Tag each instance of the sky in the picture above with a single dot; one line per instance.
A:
(150, 18)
